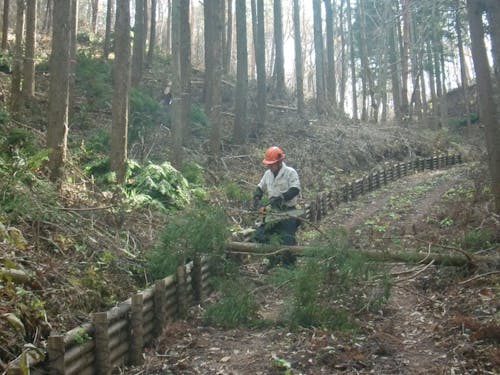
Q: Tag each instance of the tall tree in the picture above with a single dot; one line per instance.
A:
(168, 29)
(15, 91)
(185, 68)
(488, 109)
(57, 122)
(461, 54)
(29, 54)
(260, 58)
(73, 52)
(121, 87)
(299, 70)
(152, 33)
(368, 84)
(405, 108)
(279, 60)
(240, 128)
(5, 24)
(176, 152)
(95, 11)
(213, 12)
(138, 51)
(107, 33)
(343, 58)
(318, 58)
(229, 38)
(493, 14)
(393, 62)
(330, 53)
(352, 61)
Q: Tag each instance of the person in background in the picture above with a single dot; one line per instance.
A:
(280, 183)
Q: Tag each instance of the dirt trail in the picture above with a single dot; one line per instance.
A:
(411, 335)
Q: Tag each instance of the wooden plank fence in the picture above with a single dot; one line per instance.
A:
(117, 337)
(325, 201)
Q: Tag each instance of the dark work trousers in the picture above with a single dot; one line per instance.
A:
(283, 232)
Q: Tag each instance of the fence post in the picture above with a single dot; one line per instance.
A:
(319, 208)
(137, 324)
(102, 352)
(159, 305)
(56, 349)
(196, 279)
(345, 193)
(181, 291)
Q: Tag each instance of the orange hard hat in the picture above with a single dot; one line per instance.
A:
(273, 155)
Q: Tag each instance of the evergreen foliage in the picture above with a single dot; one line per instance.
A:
(198, 229)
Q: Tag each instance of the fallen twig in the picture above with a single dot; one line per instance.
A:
(478, 277)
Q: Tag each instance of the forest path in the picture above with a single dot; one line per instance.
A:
(411, 334)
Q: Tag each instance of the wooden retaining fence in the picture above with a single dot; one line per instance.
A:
(324, 201)
(117, 337)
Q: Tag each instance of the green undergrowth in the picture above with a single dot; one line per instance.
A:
(333, 285)
(200, 229)
(330, 287)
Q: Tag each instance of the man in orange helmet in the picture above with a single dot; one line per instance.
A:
(282, 186)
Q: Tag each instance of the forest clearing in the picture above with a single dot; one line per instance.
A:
(250, 187)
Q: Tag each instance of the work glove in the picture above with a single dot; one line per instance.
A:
(256, 202)
(276, 202)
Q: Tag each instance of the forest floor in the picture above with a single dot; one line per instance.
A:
(437, 320)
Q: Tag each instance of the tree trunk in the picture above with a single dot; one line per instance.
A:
(29, 55)
(213, 71)
(168, 32)
(368, 88)
(121, 86)
(240, 129)
(15, 91)
(95, 12)
(463, 66)
(344, 59)
(73, 54)
(352, 62)
(152, 33)
(229, 38)
(330, 52)
(493, 15)
(260, 56)
(488, 109)
(48, 16)
(176, 155)
(109, 27)
(5, 24)
(405, 109)
(257, 249)
(432, 82)
(319, 59)
(299, 70)
(393, 64)
(185, 70)
(138, 51)
(279, 60)
(57, 122)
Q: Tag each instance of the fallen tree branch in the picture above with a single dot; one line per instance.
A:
(256, 249)
(478, 277)
(416, 273)
(461, 251)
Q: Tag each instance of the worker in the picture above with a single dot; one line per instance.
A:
(281, 185)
